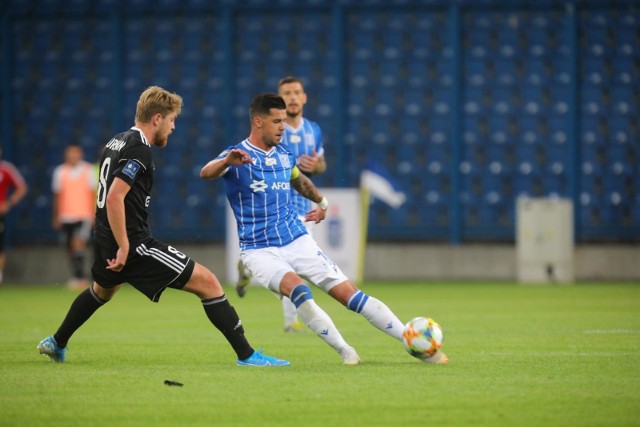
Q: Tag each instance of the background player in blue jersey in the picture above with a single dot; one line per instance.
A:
(303, 138)
(125, 250)
(274, 244)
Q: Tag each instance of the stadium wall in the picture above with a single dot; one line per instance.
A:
(388, 261)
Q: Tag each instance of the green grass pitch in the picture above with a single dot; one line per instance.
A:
(519, 356)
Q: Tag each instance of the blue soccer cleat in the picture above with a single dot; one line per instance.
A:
(49, 347)
(259, 359)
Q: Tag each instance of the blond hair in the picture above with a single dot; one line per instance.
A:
(156, 100)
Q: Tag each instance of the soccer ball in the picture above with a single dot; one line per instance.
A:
(422, 337)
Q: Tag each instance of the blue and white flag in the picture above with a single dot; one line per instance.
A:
(375, 179)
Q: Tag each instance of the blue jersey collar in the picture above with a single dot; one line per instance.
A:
(250, 146)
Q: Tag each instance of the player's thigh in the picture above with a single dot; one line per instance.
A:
(151, 267)
(267, 267)
(311, 263)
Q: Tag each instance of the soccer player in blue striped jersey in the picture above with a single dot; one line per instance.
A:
(303, 138)
(274, 244)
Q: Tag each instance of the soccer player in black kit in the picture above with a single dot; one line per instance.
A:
(124, 249)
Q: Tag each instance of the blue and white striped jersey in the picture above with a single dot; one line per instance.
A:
(260, 197)
(303, 140)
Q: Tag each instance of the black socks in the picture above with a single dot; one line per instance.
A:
(224, 317)
(218, 310)
(81, 309)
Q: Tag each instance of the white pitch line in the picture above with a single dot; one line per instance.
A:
(612, 331)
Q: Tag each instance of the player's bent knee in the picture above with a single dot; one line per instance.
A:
(104, 294)
(289, 281)
(343, 292)
(204, 283)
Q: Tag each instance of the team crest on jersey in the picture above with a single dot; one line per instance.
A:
(270, 161)
(295, 139)
(284, 159)
(131, 169)
(310, 139)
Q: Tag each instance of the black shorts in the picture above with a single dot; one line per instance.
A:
(151, 267)
(78, 229)
(3, 220)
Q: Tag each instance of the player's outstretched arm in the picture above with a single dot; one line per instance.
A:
(307, 189)
(217, 167)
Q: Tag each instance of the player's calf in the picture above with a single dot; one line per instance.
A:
(316, 318)
(377, 313)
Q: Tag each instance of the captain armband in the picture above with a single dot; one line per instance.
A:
(295, 172)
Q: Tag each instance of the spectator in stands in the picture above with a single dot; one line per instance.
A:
(10, 181)
(74, 193)
(303, 138)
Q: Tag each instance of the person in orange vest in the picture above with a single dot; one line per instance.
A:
(74, 187)
(12, 189)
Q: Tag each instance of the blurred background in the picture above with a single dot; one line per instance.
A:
(468, 104)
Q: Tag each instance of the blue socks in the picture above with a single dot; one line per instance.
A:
(300, 294)
(357, 301)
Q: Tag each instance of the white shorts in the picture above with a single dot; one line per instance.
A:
(303, 256)
(309, 225)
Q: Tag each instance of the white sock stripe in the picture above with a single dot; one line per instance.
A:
(96, 297)
(162, 257)
(362, 302)
(215, 301)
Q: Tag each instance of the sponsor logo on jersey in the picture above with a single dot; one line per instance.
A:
(131, 169)
(270, 161)
(258, 186)
(294, 139)
(281, 186)
(284, 159)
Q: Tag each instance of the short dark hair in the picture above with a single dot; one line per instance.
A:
(289, 79)
(261, 104)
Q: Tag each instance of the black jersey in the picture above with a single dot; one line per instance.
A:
(128, 157)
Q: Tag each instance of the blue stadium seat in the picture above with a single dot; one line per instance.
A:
(527, 184)
(390, 72)
(475, 66)
(623, 101)
(554, 185)
(592, 100)
(592, 132)
(418, 71)
(621, 127)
